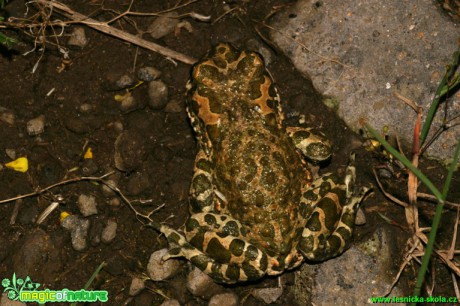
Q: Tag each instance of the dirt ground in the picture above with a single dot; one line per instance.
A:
(158, 146)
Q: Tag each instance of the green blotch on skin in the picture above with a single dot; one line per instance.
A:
(197, 240)
(233, 272)
(200, 261)
(237, 247)
(217, 251)
(313, 223)
(231, 228)
(251, 272)
(210, 220)
(251, 253)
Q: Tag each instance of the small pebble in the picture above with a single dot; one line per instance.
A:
(11, 153)
(201, 285)
(109, 232)
(227, 299)
(174, 106)
(79, 231)
(170, 303)
(124, 81)
(115, 202)
(36, 126)
(148, 74)
(79, 235)
(78, 38)
(89, 167)
(163, 25)
(106, 190)
(159, 270)
(360, 217)
(7, 116)
(87, 205)
(86, 107)
(118, 126)
(128, 103)
(158, 95)
(268, 295)
(130, 151)
(137, 285)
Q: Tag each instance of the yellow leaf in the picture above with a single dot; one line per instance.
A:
(88, 154)
(64, 215)
(21, 164)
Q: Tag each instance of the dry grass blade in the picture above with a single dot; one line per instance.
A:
(450, 254)
(388, 195)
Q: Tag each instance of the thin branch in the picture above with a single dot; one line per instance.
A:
(76, 179)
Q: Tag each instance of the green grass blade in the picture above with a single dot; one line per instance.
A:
(435, 225)
(406, 162)
(91, 279)
(439, 196)
(440, 92)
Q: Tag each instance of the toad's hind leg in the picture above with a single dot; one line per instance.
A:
(330, 226)
(218, 248)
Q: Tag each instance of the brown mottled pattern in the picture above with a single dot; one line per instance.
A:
(257, 166)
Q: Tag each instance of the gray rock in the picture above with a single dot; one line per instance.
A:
(158, 95)
(268, 295)
(170, 303)
(159, 270)
(174, 106)
(36, 126)
(137, 285)
(11, 153)
(148, 74)
(7, 116)
(33, 254)
(360, 53)
(201, 285)
(224, 299)
(130, 151)
(163, 25)
(87, 205)
(106, 190)
(109, 232)
(366, 268)
(78, 38)
(79, 235)
(124, 81)
(127, 102)
(78, 231)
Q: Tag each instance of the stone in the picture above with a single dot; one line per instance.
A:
(159, 270)
(163, 25)
(109, 232)
(87, 205)
(78, 38)
(362, 53)
(158, 95)
(36, 126)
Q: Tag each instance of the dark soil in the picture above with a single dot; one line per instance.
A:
(158, 146)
